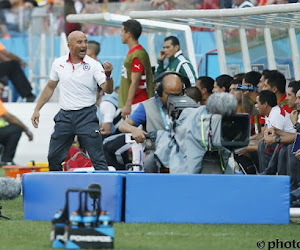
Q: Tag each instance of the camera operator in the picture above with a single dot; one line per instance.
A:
(152, 114)
(197, 132)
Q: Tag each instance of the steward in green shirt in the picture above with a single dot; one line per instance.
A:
(177, 62)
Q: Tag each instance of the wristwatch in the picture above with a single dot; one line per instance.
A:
(277, 139)
(296, 125)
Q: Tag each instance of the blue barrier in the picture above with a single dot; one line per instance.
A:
(44, 193)
(207, 199)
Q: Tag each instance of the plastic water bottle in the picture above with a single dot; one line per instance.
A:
(76, 220)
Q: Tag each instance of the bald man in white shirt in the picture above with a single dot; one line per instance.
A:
(78, 76)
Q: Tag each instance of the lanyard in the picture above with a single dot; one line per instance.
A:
(162, 113)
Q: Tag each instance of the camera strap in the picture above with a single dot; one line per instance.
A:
(162, 113)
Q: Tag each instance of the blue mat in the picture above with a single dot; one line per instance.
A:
(207, 199)
(44, 193)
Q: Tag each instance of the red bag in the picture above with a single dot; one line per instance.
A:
(79, 159)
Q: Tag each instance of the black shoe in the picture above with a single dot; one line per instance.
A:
(7, 163)
(30, 98)
(295, 203)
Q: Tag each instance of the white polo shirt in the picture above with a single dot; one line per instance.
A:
(280, 119)
(77, 82)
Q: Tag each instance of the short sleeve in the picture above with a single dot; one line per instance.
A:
(137, 66)
(99, 73)
(108, 111)
(139, 115)
(53, 72)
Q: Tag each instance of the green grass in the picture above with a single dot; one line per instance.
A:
(20, 234)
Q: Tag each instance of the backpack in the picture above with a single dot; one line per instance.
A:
(79, 160)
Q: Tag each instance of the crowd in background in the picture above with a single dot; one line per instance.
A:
(10, 10)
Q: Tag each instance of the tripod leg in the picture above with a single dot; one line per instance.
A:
(4, 217)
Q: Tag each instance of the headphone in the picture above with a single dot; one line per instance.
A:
(158, 80)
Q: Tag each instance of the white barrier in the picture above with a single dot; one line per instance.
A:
(37, 149)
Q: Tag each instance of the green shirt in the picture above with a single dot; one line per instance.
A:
(178, 63)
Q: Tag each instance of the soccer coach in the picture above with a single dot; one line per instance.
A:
(78, 76)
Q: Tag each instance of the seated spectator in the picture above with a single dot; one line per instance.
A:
(247, 160)
(110, 115)
(176, 61)
(205, 84)
(276, 82)
(222, 83)
(10, 66)
(275, 117)
(293, 100)
(251, 80)
(11, 129)
(194, 93)
(262, 80)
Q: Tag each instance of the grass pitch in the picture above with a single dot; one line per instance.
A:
(20, 234)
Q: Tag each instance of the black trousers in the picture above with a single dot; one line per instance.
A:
(83, 123)
(13, 70)
(111, 145)
(9, 137)
(293, 165)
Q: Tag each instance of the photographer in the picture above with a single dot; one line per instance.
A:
(198, 132)
(152, 114)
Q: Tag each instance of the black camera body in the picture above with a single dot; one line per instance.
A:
(175, 105)
(235, 131)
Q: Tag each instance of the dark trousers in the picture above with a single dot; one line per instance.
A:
(293, 165)
(113, 144)
(9, 137)
(13, 70)
(274, 158)
(83, 123)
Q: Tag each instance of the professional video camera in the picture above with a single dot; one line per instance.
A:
(250, 88)
(201, 132)
(175, 105)
(233, 129)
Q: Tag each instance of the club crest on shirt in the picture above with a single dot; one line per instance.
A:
(86, 66)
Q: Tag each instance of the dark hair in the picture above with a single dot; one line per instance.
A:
(252, 77)
(239, 76)
(134, 27)
(174, 40)
(224, 81)
(265, 72)
(267, 96)
(276, 79)
(194, 93)
(206, 82)
(235, 81)
(95, 46)
(295, 86)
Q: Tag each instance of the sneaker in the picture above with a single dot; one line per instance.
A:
(30, 98)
